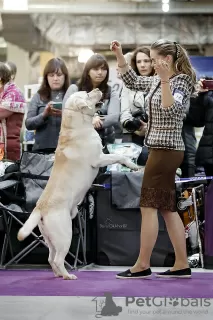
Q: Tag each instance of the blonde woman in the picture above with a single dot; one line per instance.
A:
(168, 93)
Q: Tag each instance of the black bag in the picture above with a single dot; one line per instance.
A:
(118, 233)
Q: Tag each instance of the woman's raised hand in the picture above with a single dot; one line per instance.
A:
(162, 69)
(115, 46)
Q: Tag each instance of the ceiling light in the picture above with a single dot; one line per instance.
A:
(165, 7)
(165, 1)
(84, 55)
(14, 5)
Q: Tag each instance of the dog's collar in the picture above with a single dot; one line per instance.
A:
(70, 109)
(84, 115)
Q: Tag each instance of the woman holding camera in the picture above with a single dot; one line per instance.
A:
(96, 75)
(133, 116)
(44, 111)
(168, 94)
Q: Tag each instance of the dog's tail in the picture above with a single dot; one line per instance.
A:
(29, 225)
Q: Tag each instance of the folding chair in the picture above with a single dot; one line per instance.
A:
(9, 215)
(34, 173)
(6, 223)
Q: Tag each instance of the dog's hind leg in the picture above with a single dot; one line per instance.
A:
(52, 254)
(61, 240)
(61, 252)
(52, 251)
(51, 258)
(59, 262)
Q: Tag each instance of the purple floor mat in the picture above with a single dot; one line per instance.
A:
(96, 283)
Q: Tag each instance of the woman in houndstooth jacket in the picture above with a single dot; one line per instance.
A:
(168, 93)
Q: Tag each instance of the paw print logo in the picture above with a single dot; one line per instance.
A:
(174, 302)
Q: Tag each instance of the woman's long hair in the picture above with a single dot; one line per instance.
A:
(53, 66)
(180, 57)
(144, 50)
(85, 83)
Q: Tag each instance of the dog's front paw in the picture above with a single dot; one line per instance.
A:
(128, 163)
(70, 277)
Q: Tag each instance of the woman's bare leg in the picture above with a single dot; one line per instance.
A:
(176, 233)
(149, 233)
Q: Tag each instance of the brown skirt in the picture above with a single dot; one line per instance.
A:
(158, 187)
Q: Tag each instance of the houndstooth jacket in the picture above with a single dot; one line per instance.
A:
(164, 129)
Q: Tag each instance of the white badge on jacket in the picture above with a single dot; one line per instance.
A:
(178, 96)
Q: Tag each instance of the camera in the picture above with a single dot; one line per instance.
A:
(140, 115)
(135, 124)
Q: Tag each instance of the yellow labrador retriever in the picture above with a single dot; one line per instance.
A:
(77, 160)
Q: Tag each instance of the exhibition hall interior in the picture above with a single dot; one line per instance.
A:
(106, 159)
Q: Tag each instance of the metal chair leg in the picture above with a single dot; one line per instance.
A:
(76, 254)
(83, 235)
(23, 253)
(6, 241)
(197, 223)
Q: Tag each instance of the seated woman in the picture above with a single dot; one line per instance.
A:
(133, 114)
(96, 75)
(12, 108)
(43, 116)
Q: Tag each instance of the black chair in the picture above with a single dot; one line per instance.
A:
(19, 194)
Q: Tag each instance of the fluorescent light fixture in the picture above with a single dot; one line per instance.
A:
(84, 55)
(165, 7)
(165, 1)
(15, 5)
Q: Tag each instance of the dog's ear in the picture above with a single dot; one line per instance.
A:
(81, 103)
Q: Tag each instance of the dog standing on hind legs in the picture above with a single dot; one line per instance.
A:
(78, 158)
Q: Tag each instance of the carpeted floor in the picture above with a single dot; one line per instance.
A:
(96, 283)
